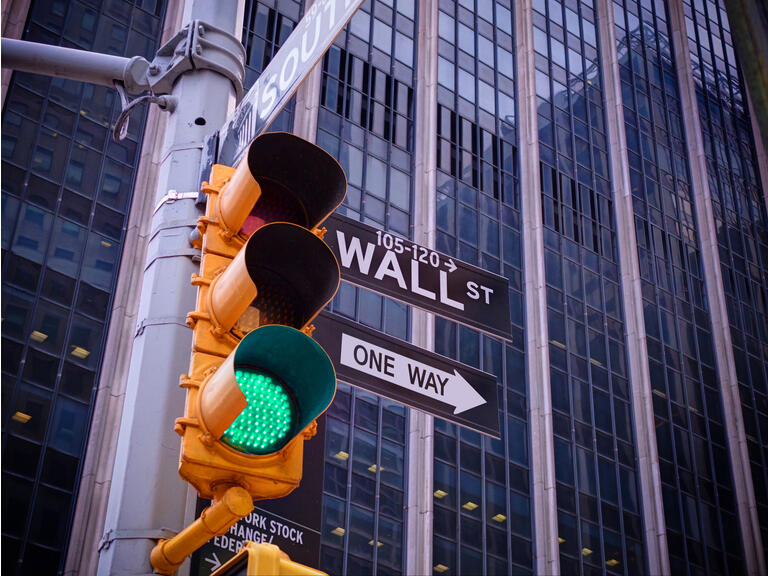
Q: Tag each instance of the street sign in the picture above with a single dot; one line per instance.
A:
(312, 36)
(414, 274)
(292, 522)
(390, 367)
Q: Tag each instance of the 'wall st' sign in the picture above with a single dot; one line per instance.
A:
(414, 274)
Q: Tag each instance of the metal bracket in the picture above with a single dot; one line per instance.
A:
(149, 534)
(162, 321)
(172, 196)
(197, 46)
(120, 131)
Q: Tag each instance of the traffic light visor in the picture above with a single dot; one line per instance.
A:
(284, 272)
(300, 182)
(275, 383)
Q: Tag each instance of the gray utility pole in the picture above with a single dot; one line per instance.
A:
(148, 498)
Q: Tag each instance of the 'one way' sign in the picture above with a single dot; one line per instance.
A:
(405, 373)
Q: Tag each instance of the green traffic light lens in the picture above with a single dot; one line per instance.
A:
(268, 418)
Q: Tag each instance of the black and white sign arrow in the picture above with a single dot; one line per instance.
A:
(215, 562)
(450, 388)
(408, 374)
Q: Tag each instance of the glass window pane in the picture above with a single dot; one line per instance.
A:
(41, 368)
(16, 498)
(17, 312)
(70, 422)
(115, 185)
(30, 414)
(50, 516)
(85, 342)
(77, 382)
(392, 464)
(364, 454)
(49, 327)
(66, 248)
(32, 233)
(361, 532)
(59, 470)
(21, 457)
(101, 258)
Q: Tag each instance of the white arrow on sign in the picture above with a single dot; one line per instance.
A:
(450, 388)
(451, 265)
(215, 563)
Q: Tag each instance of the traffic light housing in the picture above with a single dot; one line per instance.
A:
(260, 559)
(257, 380)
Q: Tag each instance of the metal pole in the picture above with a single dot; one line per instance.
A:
(147, 495)
(92, 67)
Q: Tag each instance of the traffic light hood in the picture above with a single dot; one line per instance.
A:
(300, 182)
(293, 359)
(295, 273)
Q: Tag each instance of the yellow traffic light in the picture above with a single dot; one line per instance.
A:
(261, 559)
(265, 274)
(257, 380)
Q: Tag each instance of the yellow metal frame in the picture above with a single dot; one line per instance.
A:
(205, 462)
(231, 504)
(231, 479)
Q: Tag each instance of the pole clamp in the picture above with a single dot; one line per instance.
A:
(197, 46)
(149, 534)
(159, 321)
(173, 195)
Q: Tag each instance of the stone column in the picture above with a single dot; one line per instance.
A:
(655, 533)
(721, 332)
(545, 545)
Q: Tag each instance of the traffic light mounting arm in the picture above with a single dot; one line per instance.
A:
(229, 505)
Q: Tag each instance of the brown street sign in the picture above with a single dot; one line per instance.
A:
(416, 275)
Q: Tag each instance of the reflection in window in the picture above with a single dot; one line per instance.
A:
(99, 264)
(48, 328)
(30, 413)
(42, 160)
(69, 425)
(50, 355)
(740, 218)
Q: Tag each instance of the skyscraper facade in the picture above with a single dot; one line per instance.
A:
(67, 189)
(599, 154)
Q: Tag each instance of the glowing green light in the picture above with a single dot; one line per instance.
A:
(267, 419)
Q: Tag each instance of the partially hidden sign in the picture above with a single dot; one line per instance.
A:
(390, 367)
(414, 274)
(303, 48)
(292, 522)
